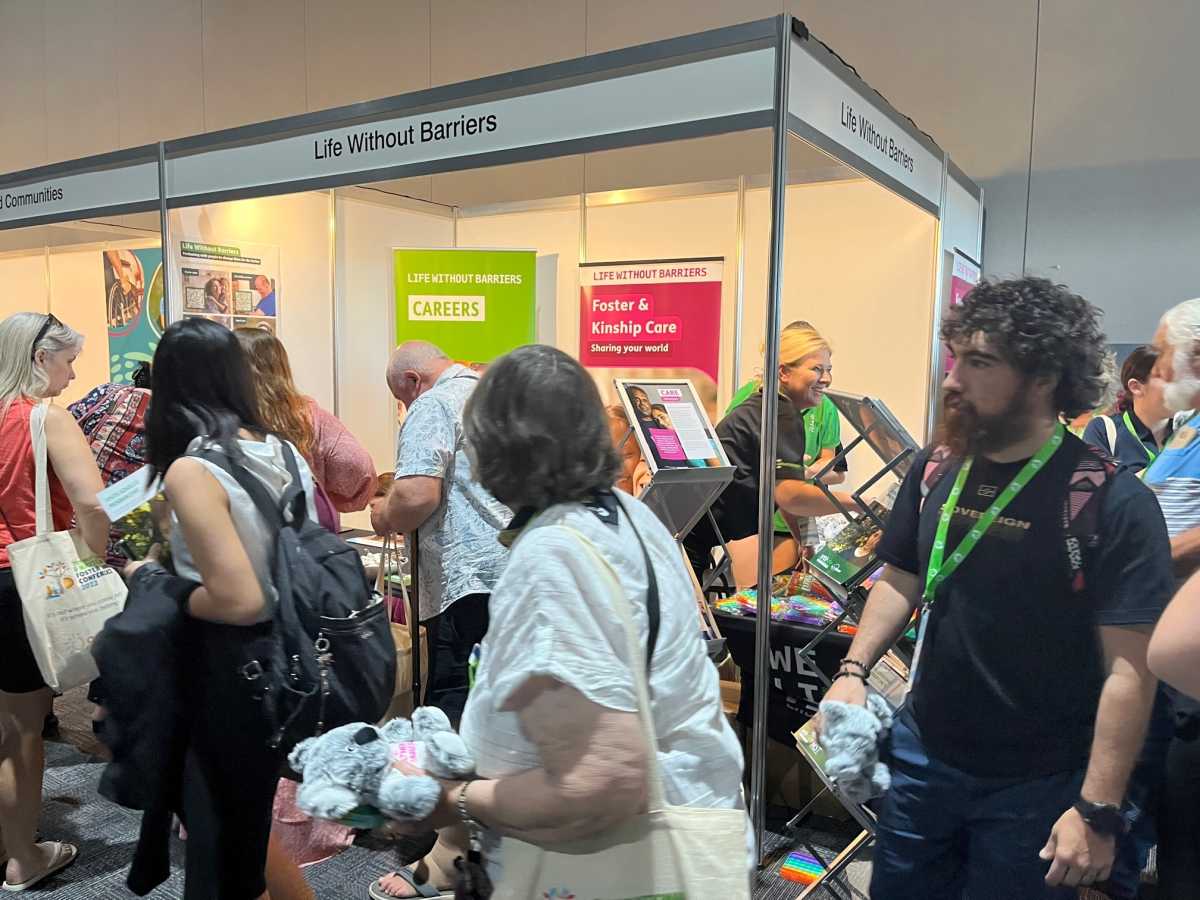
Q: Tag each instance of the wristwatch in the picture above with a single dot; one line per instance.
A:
(1102, 818)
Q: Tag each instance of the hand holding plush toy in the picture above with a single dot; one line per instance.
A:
(352, 766)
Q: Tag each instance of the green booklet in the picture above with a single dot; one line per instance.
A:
(852, 550)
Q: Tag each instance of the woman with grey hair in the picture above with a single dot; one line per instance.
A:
(553, 716)
(37, 353)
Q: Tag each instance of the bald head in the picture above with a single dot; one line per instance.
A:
(413, 368)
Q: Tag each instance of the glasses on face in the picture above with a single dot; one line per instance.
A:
(819, 370)
(51, 320)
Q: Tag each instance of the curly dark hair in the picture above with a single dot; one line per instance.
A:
(1040, 328)
(538, 431)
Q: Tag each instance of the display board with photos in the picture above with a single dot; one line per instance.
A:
(670, 424)
(233, 285)
(878, 428)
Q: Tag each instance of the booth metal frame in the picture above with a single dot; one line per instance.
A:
(770, 73)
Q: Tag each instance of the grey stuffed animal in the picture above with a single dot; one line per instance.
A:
(850, 737)
(351, 766)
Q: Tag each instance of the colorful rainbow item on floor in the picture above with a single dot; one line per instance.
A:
(801, 868)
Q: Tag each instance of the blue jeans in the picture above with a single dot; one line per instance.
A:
(947, 835)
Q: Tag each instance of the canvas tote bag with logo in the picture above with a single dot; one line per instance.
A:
(668, 853)
(67, 592)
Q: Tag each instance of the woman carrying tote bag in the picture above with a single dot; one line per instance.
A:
(607, 769)
(36, 356)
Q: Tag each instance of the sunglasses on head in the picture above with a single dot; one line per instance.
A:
(51, 320)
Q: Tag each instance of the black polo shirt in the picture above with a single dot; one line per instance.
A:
(1011, 669)
(736, 510)
(1132, 452)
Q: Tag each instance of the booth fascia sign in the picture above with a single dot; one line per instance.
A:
(673, 89)
(116, 183)
(829, 106)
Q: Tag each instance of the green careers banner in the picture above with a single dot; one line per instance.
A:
(476, 305)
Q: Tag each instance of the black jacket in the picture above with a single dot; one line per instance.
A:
(139, 653)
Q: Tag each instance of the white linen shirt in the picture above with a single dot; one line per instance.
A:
(461, 553)
(552, 614)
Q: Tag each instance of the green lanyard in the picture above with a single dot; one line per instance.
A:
(1153, 454)
(938, 570)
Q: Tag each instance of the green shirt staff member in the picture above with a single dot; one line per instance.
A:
(803, 378)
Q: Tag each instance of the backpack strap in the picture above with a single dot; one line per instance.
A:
(1081, 512)
(294, 498)
(270, 508)
(1110, 431)
(936, 466)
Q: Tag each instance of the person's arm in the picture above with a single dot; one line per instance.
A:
(1185, 552)
(347, 470)
(73, 463)
(834, 476)
(1079, 854)
(1175, 647)
(593, 775)
(890, 606)
(407, 506)
(799, 498)
(230, 591)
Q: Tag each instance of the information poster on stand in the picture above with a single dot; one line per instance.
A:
(673, 430)
(476, 305)
(236, 285)
(652, 314)
(133, 290)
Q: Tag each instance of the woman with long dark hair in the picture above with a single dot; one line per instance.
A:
(203, 420)
(1140, 424)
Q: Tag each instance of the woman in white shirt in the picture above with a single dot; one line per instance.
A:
(552, 719)
(204, 398)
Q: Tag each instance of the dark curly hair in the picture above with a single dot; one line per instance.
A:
(538, 431)
(1040, 328)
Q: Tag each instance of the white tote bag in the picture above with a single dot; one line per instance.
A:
(67, 592)
(669, 853)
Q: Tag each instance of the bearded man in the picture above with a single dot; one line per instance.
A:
(1041, 570)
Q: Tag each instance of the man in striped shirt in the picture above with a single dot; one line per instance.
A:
(1175, 478)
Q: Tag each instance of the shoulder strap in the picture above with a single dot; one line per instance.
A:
(936, 466)
(1081, 511)
(268, 506)
(1110, 430)
(653, 606)
(41, 478)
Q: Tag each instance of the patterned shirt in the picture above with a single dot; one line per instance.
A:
(112, 418)
(461, 552)
(1175, 478)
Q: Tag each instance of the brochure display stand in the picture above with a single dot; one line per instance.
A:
(688, 466)
(771, 76)
(846, 563)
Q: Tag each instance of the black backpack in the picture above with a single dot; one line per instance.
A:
(330, 658)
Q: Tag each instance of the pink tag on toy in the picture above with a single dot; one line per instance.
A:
(410, 752)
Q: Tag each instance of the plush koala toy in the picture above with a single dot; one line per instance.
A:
(351, 766)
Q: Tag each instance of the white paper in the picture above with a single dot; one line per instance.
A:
(120, 499)
(689, 428)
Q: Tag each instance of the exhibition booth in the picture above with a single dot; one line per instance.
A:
(744, 178)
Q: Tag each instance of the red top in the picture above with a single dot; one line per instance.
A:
(18, 516)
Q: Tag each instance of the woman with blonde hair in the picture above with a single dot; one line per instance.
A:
(805, 372)
(37, 355)
(341, 465)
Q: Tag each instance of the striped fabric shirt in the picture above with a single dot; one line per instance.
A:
(1175, 478)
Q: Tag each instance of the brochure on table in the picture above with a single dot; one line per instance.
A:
(688, 466)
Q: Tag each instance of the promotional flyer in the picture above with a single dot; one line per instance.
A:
(673, 430)
(234, 285)
(654, 314)
(133, 290)
(476, 305)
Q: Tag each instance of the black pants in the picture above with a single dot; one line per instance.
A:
(452, 637)
(1179, 819)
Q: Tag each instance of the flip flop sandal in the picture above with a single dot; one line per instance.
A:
(64, 854)
(426, 890)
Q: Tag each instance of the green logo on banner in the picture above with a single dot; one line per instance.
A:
(476, 305)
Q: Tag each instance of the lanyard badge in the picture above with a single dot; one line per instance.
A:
(941, 568)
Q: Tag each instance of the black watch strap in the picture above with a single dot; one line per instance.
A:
(1102, 818)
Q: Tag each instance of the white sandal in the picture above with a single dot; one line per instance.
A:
(64, 854)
